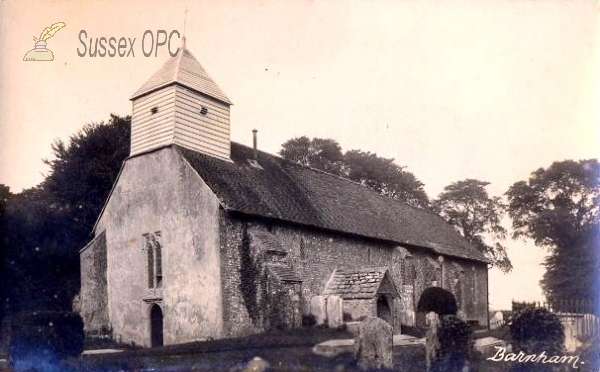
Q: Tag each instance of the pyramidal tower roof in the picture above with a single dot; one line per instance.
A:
(185, 70)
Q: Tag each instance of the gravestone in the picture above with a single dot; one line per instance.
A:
(497, 320)
(334, 311)
(373, 344)
(318, 308)
(432, 342)
(256, 365)
(488, 346)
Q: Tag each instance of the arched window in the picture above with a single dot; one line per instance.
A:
(153, 248)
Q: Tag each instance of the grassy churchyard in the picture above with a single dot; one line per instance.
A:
(288, 351)
(280, 351)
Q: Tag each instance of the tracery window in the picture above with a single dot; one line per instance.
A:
(153, 247)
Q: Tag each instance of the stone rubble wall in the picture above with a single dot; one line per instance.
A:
(315, 254)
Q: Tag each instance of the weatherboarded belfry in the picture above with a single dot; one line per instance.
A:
(181, 105)
(205, 238)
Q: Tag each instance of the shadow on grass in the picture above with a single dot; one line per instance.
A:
(283, 351)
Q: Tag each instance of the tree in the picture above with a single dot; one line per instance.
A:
(46, 226)
(385, 177)
(82, 173)
(318, 153)
(4, 195)
(467, 206)
(35, 267)
(377, 173)
(559, 208)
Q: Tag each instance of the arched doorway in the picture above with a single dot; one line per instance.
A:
(156, 326)
(436, 299)
(383, 309)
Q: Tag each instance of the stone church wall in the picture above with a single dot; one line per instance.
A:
(269, 305)
(236, 319)
(159, 194)
(357, 309)
(314, 254)
(94, 291)
(202, 245)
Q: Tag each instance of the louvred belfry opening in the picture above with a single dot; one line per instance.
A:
(181, 105)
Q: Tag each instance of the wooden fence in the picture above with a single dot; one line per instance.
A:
(572, 306)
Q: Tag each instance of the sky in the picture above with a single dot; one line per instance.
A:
(481, 89)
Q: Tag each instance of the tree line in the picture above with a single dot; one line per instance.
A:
(43, 228)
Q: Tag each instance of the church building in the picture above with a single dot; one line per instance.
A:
(203, 238)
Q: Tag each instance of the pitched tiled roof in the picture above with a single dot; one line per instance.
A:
(183, 69)
(287, 191)
(404, 253)
(266, 241)
(355, 284)
(269, 243)
(283, 272)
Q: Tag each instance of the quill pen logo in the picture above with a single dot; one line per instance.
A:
(40, 53)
